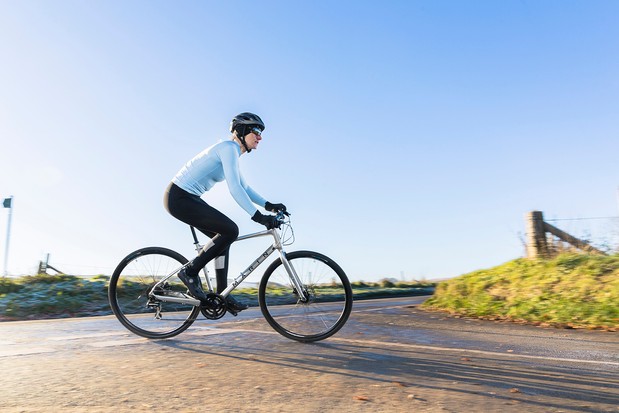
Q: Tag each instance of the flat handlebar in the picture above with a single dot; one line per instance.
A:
(281, 217)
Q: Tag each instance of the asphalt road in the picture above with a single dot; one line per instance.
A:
(390, 357)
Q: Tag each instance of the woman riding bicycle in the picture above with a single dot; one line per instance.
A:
(183, 201)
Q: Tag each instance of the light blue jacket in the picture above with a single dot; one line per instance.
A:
(215, 164)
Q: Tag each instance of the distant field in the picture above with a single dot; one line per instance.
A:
(62, 296)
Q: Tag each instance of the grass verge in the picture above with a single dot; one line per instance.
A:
(52, 296)
(62, 296)
(572, 290)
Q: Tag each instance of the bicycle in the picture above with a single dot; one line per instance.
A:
(303, 295)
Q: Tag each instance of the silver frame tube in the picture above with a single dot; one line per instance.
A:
(277, 245)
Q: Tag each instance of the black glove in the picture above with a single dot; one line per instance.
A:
(268, 221)
(274, 207)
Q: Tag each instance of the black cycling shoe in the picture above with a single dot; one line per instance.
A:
(234, 306)
(194, 285)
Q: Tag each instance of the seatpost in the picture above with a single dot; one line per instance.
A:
(193, 232)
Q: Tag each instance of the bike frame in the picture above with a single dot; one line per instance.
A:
(277, 245)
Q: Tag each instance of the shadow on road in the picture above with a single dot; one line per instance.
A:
(534, 384)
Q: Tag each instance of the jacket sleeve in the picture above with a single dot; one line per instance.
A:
(253, 195)
(230, 163)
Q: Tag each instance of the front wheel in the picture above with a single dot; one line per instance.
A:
(132, 283)
(328, 297)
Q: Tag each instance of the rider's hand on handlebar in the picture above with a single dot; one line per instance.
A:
(269, 221)
(275, 207)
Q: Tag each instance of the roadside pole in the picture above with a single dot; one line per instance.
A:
(7, 203)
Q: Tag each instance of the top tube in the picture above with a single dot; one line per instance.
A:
(280, 216)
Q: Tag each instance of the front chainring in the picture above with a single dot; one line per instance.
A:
(214, 308)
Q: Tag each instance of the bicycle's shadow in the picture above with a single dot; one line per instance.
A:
(412, 366)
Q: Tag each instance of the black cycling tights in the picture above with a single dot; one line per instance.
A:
(192, 210)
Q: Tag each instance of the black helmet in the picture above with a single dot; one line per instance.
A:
(243, 124)
(244, 121)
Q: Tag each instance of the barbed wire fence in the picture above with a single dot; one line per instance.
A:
(548, 237)
(600, 232)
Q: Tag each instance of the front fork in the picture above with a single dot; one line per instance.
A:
(294, 279)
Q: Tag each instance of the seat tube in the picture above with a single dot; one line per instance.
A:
(199, 249)
(208, 280)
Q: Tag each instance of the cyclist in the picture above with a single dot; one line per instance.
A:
(183, 201)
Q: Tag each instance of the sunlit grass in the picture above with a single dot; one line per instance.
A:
(52, 296)
(56, 296)
(571, 290)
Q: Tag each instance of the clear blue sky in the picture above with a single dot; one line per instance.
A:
(408, 138)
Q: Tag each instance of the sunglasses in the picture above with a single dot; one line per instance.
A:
(257, 131)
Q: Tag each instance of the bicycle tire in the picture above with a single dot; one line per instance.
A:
(329, 290)
(128, 291)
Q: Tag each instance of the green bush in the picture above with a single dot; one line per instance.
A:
(386, 283)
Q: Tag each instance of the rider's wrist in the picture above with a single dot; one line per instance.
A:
(256, 217)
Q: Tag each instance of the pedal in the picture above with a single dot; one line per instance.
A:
(231, 311)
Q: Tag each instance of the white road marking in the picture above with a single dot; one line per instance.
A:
(399, 307)
(213, 331)
(115, 343)
(21, 351)
(11, 348)
(82, 336)
(464, 350)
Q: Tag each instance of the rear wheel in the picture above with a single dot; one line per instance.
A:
(131, 284)
(328, 292)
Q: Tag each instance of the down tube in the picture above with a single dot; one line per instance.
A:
(248, 270)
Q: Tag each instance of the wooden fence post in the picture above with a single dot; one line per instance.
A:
(537, 246)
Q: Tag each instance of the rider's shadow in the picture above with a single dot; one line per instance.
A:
(407, 366)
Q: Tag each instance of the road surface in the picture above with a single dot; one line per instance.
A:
(390, 357)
